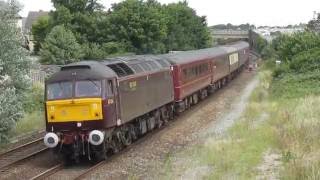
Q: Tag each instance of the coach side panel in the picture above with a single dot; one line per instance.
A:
(243, 56)
(220, 67)
(191, 77)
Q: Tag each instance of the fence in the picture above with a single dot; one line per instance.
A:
(37, 76)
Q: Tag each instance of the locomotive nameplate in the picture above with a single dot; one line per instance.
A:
(133, 85)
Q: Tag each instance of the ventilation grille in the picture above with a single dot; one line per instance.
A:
(121, 69)
(64, 68)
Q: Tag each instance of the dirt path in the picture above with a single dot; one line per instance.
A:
(148, 160)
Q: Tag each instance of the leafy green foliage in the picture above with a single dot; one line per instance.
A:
(60, 47)
(299, 74)
(129, 26)
(40, 31)
(186, 30)
(96, 51)
(287, 46)
(35, 98)
(314, 25)
(13, 69)
(140, 24)
(79, 5)
(306, 61)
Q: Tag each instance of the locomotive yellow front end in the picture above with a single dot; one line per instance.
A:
(76, 110)
(79, 110)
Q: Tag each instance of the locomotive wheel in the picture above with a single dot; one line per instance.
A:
(116, 143)
(133, 133)
(158, 118)
(126, 137)
(195, 98)
(171, 112)
(164, 114)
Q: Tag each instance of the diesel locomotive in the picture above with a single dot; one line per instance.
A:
(96, 108)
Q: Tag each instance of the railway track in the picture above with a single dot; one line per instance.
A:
(60, 170)
(48, 172)
(21, 153)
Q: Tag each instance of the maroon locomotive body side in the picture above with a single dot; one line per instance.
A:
(144, 92)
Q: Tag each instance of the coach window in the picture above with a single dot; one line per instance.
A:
(185, 73)
(109, 88)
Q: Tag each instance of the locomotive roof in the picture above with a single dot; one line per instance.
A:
(83, 70)
(127, 65)
(193, 55)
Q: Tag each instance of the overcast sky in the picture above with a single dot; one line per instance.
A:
(258, 12)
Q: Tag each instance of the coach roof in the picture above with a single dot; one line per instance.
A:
(193, 55)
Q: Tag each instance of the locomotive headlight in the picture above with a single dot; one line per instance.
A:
(96, 137)
(51, 140)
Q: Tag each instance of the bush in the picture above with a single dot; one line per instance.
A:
(10, 112)
(13, 69)
(60, 47)
(306, 61)
(34, 99)
(95, 51)
(287, 46)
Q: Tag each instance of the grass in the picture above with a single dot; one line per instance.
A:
(237, 155)
(30, 122)
(298, 131)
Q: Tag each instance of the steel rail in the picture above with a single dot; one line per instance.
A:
(23, 158)
(48, 172)
(21, 146)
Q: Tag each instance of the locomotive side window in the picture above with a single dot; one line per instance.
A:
(109, 88)
(61, 90)
(88, 88)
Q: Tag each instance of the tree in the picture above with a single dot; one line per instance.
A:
(14, 66)
(288, 46)
(138, 24)
(40, 30)
(60, 47)
(79, 5)
(79, 16)
(186, 30)
(314, 25)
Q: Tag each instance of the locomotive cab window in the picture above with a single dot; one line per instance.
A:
(109, 88)
(88, 88)
(61, 90)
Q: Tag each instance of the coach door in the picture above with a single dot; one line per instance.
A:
(111, 105)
